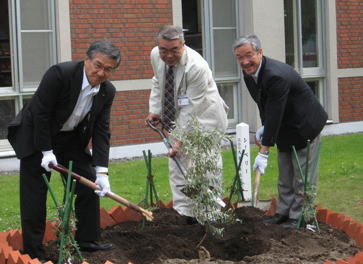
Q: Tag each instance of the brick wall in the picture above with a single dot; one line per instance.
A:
(350, 99)
(131, 25)
(349, 33)
(127, 119)
(350, 55)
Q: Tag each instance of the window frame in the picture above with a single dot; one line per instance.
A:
(208, 51)
(17, 91)
(310, 73)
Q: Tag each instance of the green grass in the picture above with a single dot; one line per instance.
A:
(340, 185)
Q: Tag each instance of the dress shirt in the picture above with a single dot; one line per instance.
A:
(83, 105)
(255, 75)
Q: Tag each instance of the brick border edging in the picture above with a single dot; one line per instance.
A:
(11, 241)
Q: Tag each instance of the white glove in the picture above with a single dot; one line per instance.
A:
(103, 182)
(260, 162)
(48, 157)
(259, 133)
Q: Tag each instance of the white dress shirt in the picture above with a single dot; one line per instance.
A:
(83, 105)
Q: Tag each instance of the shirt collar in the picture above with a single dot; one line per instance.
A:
(86, 84)
(255, 75)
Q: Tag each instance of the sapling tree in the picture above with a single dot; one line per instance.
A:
(203, 184)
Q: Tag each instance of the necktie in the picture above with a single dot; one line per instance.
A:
(169, 100)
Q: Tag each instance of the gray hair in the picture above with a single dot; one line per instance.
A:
(105, 47)
(171, 32)
(248, 39)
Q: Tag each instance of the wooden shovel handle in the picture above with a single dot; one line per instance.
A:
(257, 187)
(113, 196)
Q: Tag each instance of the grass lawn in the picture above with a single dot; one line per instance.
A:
(340, 186)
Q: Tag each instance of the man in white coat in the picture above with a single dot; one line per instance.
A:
(194, 93)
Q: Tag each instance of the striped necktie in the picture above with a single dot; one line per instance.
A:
(169, 100)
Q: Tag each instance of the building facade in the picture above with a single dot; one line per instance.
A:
(321, 39)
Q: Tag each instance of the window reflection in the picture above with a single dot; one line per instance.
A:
(7, 113)
(309, 33)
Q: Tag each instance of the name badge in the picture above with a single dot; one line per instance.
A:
(183, 101)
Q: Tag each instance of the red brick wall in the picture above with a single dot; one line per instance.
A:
(349, 33)
(350, 99)
(127, 119)
(131, 25)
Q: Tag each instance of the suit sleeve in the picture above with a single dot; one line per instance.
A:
(42, 107)
(277, 95)
(101, 133)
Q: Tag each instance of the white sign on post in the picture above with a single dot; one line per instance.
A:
(243, 143)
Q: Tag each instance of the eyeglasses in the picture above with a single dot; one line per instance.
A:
(248, 56)
(99, 67)
(173, 51)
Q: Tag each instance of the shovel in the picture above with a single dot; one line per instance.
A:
(168, 145)
(113, 196)
(260, 204)
(256, 188)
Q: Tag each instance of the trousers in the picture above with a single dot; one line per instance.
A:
(290, 184)
(33, 197)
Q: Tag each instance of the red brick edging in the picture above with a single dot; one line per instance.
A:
(11, 241)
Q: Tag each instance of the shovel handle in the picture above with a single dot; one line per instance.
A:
(111, 195)
(168, 146)
(257, 187)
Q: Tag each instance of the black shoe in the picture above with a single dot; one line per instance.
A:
(290, 223)
(93, 246)
(276, 219)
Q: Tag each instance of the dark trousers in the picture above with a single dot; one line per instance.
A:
(33, 194)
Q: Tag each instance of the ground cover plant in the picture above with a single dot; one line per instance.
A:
(339, 188)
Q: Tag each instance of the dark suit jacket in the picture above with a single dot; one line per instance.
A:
(289, 111)
(40, 121)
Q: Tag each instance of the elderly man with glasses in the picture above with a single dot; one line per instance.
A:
(290, 115)
(182, 86)
(71, 106)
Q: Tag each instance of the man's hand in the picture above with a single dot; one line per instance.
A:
(260, 162)
(154, 119)
(103, 182)
(48, 157)
(259, 135)
(174, 151)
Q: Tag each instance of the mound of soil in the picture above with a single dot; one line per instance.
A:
(170, 238)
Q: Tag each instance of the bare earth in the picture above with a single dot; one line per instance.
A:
(169, 239)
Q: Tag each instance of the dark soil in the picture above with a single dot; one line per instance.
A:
(170, 239)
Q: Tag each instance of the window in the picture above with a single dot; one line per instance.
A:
(211, 28)
(27, 49)
(36, 41)
(7, 113)
(304, 42)
(5, 54)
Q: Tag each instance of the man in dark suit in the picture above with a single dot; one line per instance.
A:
(290, 115)
(71, 106)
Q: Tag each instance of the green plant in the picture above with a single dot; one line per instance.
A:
(203, 184)
(65, 222)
